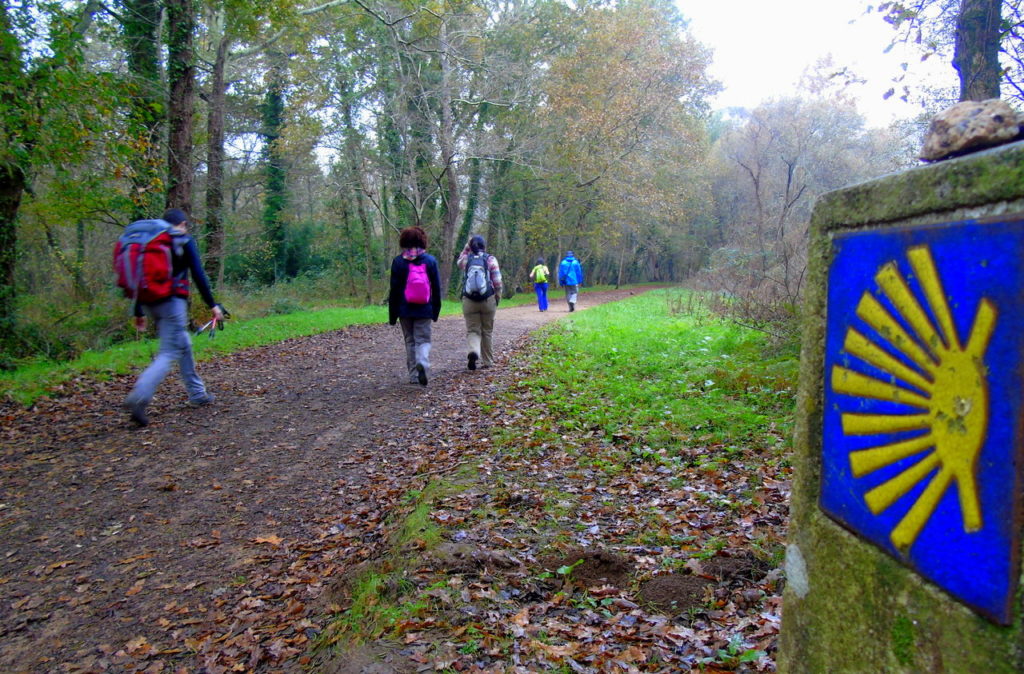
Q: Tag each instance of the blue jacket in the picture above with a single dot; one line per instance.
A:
(570, 272)
(397, 306)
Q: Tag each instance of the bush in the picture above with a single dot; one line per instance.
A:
(283, 305)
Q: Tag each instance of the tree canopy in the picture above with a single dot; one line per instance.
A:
(302, 136)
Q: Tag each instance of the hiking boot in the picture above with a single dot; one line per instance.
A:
(472, 360)
(137, 412)
(572, 306)
(421, 374)
(202, 402)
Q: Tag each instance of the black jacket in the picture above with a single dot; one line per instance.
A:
(397, 306)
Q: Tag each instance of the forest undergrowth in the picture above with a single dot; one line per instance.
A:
(627, 514)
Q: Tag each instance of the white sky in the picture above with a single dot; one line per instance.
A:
(761, 48)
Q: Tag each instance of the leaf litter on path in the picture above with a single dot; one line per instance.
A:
(205, 541)
(547, 563)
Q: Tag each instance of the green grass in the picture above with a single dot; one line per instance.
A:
(617, 387)
(641, 376)
(36, 378)
(383, 594)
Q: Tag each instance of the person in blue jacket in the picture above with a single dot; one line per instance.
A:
(570, 276)
(414, 317)
(171, 318)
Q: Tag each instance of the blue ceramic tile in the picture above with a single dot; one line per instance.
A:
(923, 389)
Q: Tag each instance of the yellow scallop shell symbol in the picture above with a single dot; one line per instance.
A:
(946, 388)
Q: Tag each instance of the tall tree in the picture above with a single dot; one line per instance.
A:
(181, 78)
(147, 110)
(982, 39)
(449, 161)
(231, 24)
(29, 79)
(976, 56)
(775, 161)
(633, 72)
(215, 155)
(276, 190)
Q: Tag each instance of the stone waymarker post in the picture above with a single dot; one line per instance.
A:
(904, 547)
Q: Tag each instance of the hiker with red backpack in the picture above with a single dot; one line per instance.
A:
(153, 260)
(415, 300)
(481, 292)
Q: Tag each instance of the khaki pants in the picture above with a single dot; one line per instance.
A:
(479, 326)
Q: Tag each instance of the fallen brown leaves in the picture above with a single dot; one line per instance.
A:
(246, 590)
(526, 581)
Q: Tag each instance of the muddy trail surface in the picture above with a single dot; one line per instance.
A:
(204, 542)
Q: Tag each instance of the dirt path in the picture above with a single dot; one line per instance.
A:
(203, 542)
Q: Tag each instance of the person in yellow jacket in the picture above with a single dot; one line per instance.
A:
(539, 276)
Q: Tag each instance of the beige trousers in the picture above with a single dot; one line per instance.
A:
(479, 326)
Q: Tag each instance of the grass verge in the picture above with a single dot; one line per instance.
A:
(37, 378)
(658, 437)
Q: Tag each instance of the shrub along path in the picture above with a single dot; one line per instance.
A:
(205, 541)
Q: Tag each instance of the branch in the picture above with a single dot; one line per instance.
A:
(106, 8)
(284, 31)
(386, 22)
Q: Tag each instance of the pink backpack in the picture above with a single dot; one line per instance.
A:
(417, 284)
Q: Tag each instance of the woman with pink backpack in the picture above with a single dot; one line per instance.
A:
(415, 300)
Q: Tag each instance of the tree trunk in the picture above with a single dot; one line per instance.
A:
(181, 102)
(71, 268)
(500, 196)
(622, 265)
(976, 56)
(12, 171)
(347, 230)
(214, 262)
(12, 187)
(352, 148)
(473, 195)
(446, 139)
(276, 191)
(141, 29)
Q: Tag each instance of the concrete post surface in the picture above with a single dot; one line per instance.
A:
(857, 604)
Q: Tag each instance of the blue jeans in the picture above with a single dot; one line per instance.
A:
(171, 319)
(542, 295)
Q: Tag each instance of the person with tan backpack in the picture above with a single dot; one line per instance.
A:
(481, 292)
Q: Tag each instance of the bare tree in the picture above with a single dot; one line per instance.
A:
(781, 156)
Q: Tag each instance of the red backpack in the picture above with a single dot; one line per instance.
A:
(143, 262)
(417, 284)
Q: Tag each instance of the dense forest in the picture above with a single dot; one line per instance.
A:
(302, 136)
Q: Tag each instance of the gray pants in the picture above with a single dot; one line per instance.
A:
(171, 319)
(416, 332)
(479, 326)
(571, 292)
